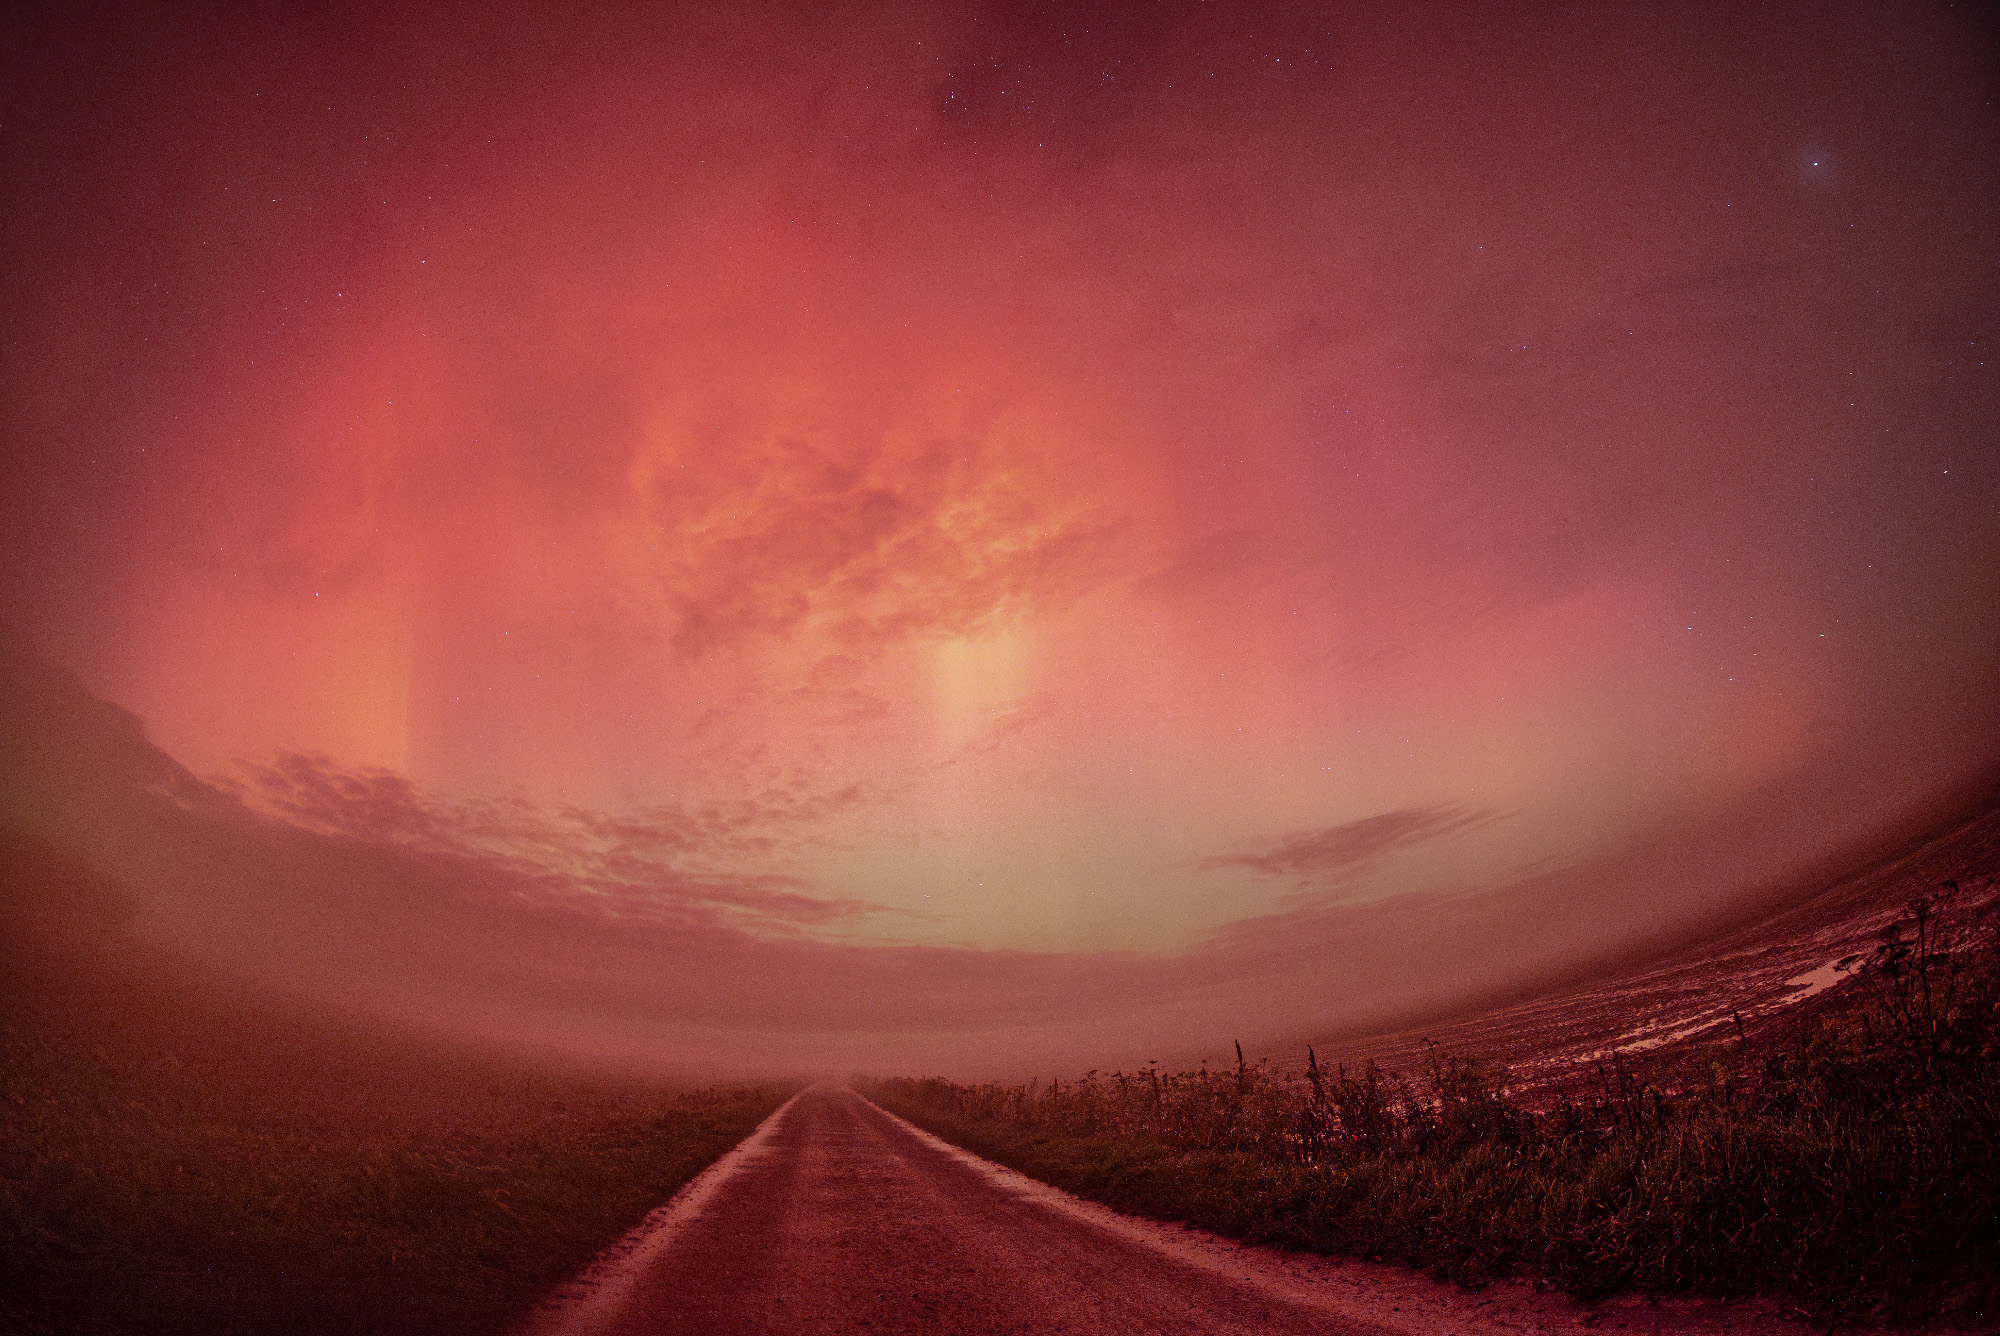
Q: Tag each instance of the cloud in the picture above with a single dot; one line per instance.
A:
(869, 527)
(661, 864)
(1334, 852)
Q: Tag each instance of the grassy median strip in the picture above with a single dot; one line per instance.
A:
(163, 1194)
(1854, 1168)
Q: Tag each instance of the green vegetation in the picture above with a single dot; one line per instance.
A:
(1851, 1168)
(142, 1192)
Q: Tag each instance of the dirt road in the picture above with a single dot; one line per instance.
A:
(835, 1216)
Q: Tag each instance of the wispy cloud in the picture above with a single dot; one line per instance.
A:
(664, 863)
(768, 507)
(1334, 852)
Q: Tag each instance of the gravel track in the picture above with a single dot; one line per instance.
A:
(835, 1216)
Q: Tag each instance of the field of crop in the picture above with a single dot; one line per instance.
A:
(1850, 1162)
(216, 1189)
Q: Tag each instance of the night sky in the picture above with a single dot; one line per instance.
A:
(989, 534)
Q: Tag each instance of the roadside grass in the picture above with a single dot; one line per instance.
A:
(1853, 1168)
(148, 1192)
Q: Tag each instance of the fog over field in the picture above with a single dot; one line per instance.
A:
(732, 540)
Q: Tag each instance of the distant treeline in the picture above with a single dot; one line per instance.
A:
(1850, 1167)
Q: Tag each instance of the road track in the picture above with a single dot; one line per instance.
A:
(837, 1217)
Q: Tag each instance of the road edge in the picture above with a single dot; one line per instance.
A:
(596, 1295)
